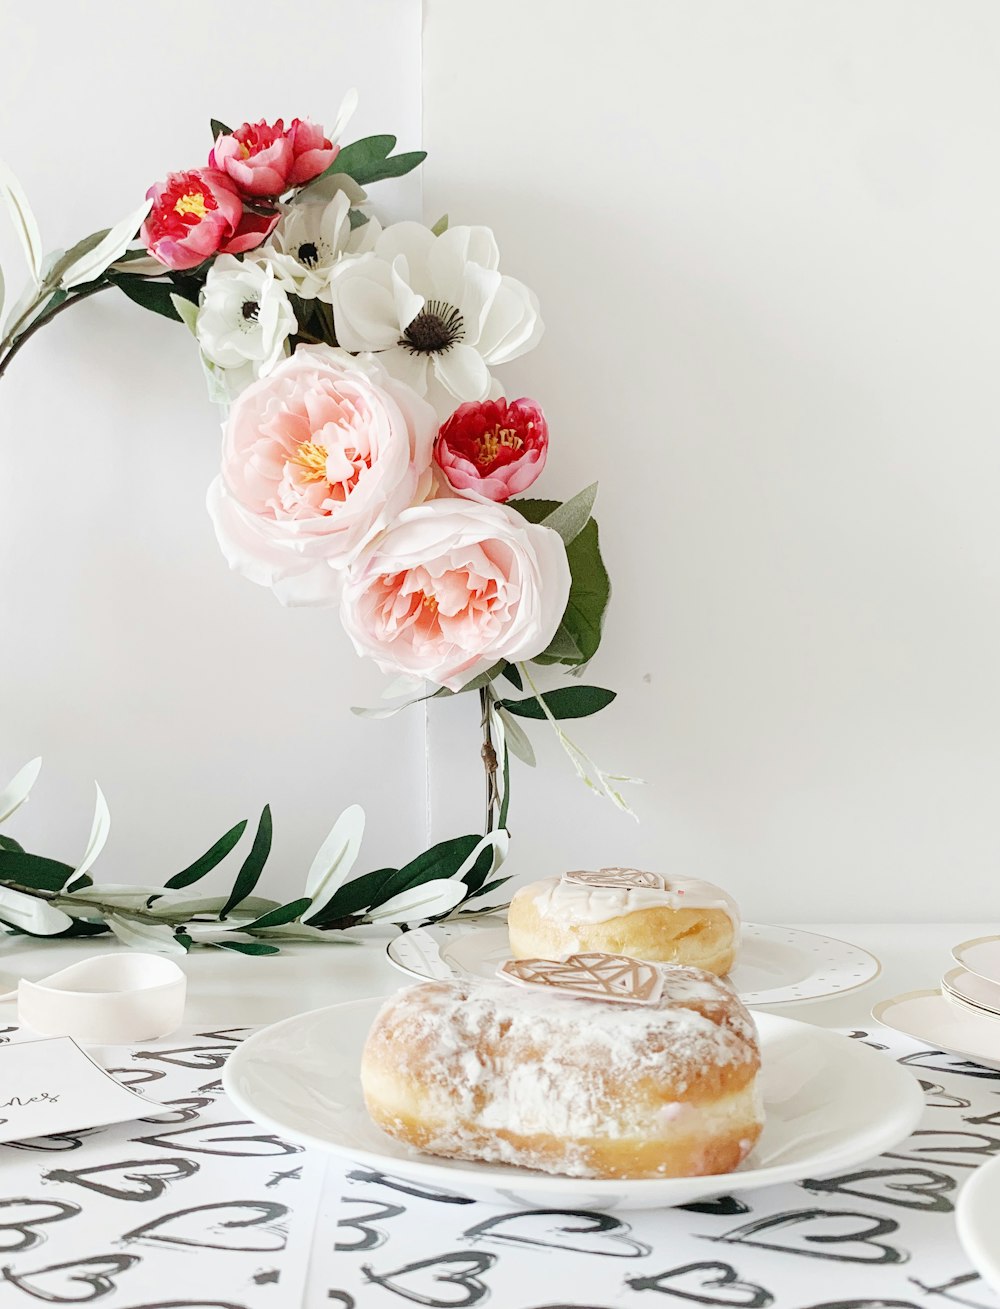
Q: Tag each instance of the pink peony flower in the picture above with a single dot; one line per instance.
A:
(265, 159)
(317, 458)
(454, 586)
(492, 449)
(198, 214)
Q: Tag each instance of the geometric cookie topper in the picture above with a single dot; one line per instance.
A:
(591, 976)
(624, 877)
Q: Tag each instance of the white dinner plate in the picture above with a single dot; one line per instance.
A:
(831, 1103)
(776, 965)
(977, 1214)
(945, 1024)
(981, 956)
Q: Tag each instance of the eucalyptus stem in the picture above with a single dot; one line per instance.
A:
(47, 318)
(76, 902)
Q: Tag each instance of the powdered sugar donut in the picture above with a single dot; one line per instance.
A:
(624, 911)
(551, 1080)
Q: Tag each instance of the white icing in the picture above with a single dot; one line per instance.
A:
(573, 903)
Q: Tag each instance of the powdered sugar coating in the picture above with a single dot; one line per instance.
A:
(494, 1062)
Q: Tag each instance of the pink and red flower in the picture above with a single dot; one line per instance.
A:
(197, 214)
(492, 449)
(265, 159)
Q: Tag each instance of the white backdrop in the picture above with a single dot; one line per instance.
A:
(765, 239)
(128, 652)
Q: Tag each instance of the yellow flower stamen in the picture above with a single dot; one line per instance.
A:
(312, 458)
(430, 603)
(192, 203)
(490, 443)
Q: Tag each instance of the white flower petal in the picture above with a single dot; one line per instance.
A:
(462, 372)
(408, 304)
(456, 248)
(364, 306)
(513, 325)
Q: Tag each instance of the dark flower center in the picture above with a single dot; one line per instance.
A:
(435, 329)
(308, 254)
(250, 311)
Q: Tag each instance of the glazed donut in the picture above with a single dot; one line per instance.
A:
(623, 911)
(565, 1083)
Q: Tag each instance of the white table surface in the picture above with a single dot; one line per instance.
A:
(236, 989)
(229, 991)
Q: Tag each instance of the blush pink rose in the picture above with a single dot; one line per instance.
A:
(492, 449)
(452, 587)
(265, 159)
(198, 214)
(317, 458)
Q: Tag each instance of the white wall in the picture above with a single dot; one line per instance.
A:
(128, 652)
(765, 237)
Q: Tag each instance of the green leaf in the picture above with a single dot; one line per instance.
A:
(589, 592)
(505, 806)
(512, 675)
(571, 518)
(186, 311)
(8, 843)
(354, 896)
(441, 226)
(479, 871)
(287, 913)
(561, 649)
(253, 865)
(565, 702)
(356, 218)
(80, 884)
(440, 861)
(219, 129)
(83, 247)
(196, 871)
(34, 870)
(490, 886)
(156, 296)
(246, 947)
(371, 160)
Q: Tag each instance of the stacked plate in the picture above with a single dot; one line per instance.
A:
(963, 1015)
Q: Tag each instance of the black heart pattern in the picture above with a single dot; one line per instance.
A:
(710, 1283)
(957, 1149)
(863, 1037)
(73, 1282)
(188, 1056)
(726, 1206)
(249, 1225)
(843, 1235)
(234, 1034)
(60, 1141)
(419, 1191)
(136, 1076)
(133, 1179)
(936, 1097)
(187, 1108)
(984, 1120)
(940, 1061)
(343, 1298)
(215, 1138)
(20, 1219)
(865, 1304)
(584, 1233)
(448, 1281)
(371, 1237)
(187, 1304)
(911, 1188)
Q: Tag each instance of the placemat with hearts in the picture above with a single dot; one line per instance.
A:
(188, 1207)
(100, 1217)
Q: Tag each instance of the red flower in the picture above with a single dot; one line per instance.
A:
(492, 449)
(265, 159)
(197, 214)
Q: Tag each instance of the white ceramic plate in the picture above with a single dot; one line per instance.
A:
(945, 1024)
(831, 1103)
(970, 988)
(981, 956)
(776, 965)
(976, 1216)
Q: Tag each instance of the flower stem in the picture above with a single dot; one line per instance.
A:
(47, 318)
(489, 756)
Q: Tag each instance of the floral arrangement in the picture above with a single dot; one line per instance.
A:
(370, 462)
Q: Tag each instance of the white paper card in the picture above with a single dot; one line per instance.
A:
(53, 1086)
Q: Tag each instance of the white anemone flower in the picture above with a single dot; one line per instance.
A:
(437, 310)
(244, 320)
(311, 238)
